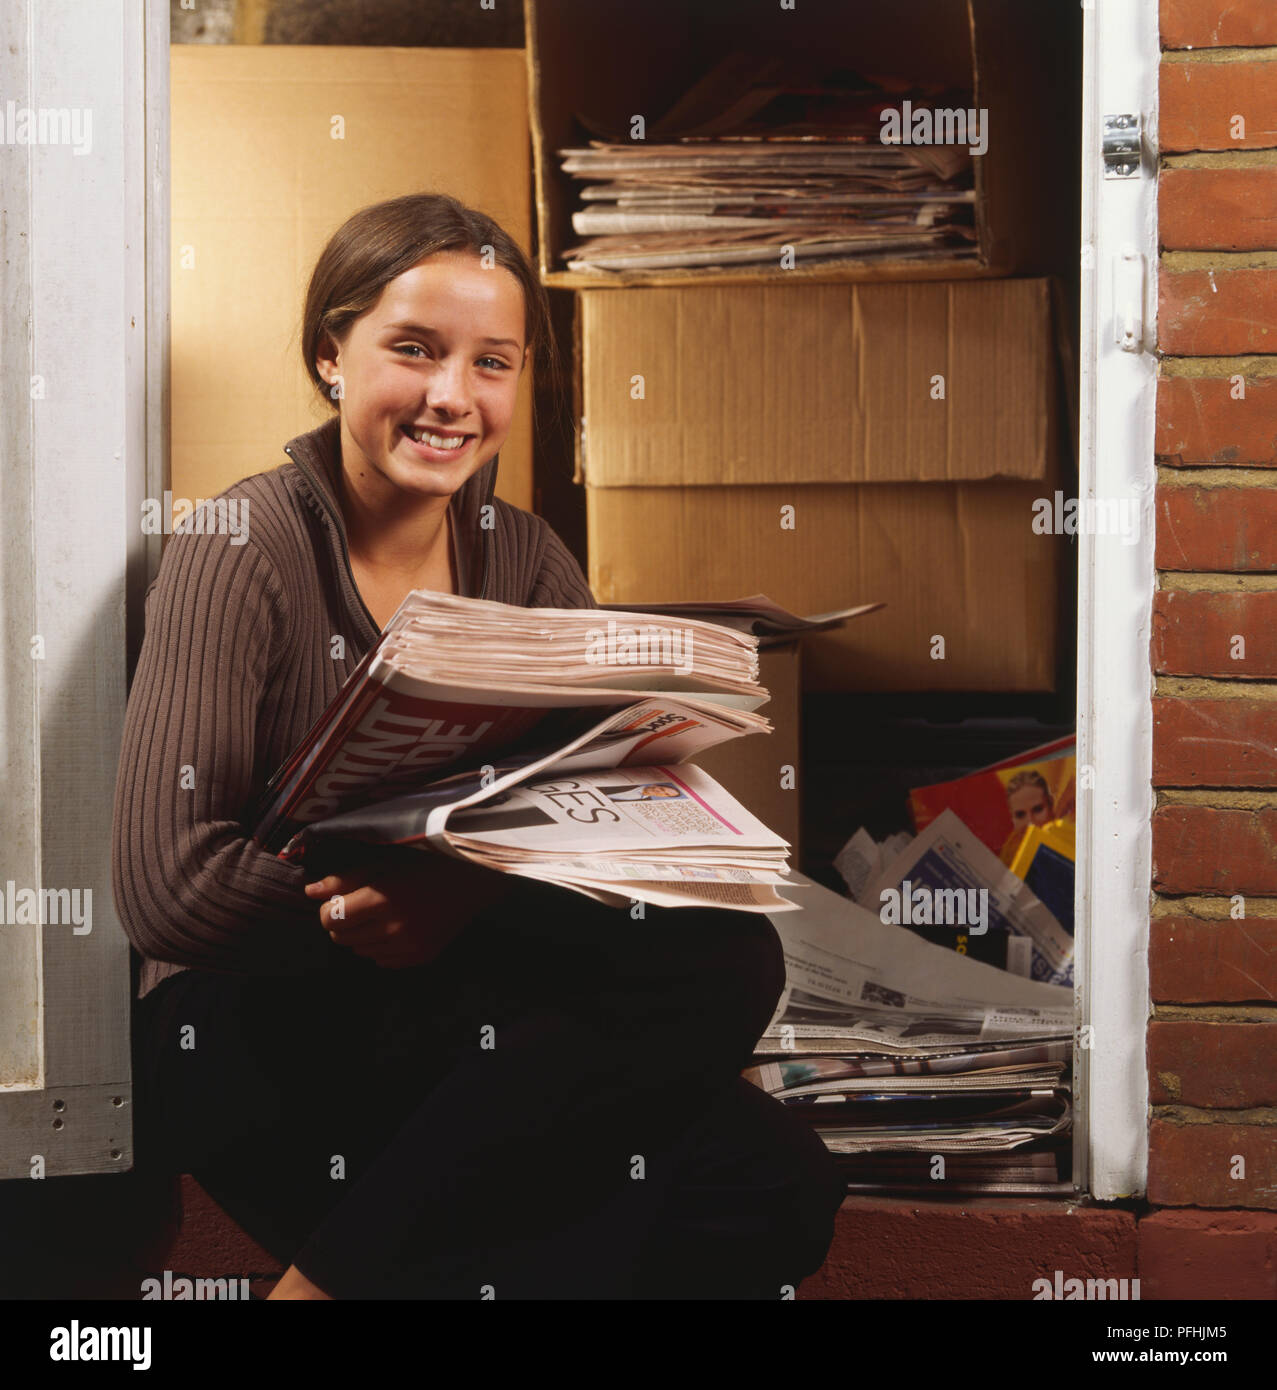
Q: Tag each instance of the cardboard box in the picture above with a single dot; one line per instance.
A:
(791, 441)
(610, 62)
(259, 185)
(754, 768)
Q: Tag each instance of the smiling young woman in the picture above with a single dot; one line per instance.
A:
(451, 1087)
(428, 392)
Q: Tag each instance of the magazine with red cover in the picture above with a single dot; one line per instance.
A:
(454, 683)
(999, 802)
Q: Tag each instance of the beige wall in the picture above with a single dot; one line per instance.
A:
(259, 184)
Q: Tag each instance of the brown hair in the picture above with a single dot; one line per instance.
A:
(381, 241)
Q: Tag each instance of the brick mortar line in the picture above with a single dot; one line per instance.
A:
(1259, 157)
(1217, 260)
(1253, 1015)
(1213, 582)
(1252, 478)
(1229, 53)
(1253, 363)
(1219, 799)
(1211, 909)
(1257, 1117)
(1209, 688)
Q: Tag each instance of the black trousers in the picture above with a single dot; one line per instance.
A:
(551, 1109)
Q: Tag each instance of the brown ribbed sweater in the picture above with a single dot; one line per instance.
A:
(238, 662)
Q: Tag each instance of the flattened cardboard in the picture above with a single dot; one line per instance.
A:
(752, 768)
(958, 562)
(260, 184)
(818, 384)
(971, 591)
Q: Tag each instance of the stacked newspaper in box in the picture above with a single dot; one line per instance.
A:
(549, 743)
(920, 1069)
(758, 160)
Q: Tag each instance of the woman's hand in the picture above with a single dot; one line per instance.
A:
(405, 915)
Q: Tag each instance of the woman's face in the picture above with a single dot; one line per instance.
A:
(1029, 805)
(442, 350)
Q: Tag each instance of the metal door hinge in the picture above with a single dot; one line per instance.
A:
(1122, 147)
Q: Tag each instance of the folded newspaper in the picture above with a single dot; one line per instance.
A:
(768, 621)
(998, 917)
(548, 743)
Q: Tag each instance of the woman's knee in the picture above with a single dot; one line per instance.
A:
(701, 978)
(724, 973)
(743, 973)
(789, 1148)
(797, 1211)
(755, 1206)
(817, 1193)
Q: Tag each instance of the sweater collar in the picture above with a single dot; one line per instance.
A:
(318, 452)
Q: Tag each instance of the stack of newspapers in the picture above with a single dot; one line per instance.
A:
(548, 743)
(732, 202)
(758, 160)
(920, 1069)
(891, 1090)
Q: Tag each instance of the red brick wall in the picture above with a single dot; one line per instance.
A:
(1212, 1042)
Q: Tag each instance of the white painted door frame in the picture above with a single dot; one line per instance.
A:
(1115, 594)
(83, 389)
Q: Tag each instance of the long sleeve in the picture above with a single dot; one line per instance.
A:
(190, 885)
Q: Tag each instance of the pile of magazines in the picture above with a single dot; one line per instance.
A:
(757, 160)
(997, 844)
